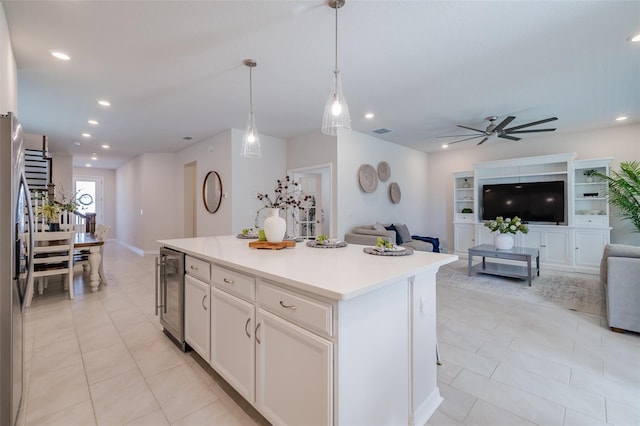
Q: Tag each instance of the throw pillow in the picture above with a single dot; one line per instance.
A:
(403, 232)
(398, 237)
(379, 227)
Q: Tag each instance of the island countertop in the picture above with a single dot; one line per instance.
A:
(335, 273)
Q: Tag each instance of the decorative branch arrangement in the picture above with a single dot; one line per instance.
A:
(286, 193)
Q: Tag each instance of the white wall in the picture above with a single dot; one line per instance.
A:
(408, 169)
(129, 187)
(620, 142)
(312, 150)
(109, 197)
(210, 155)
(8, 70)
(251, 176)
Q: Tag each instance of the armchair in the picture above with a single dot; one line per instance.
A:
(619, 272)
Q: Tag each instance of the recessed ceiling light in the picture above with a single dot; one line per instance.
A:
(87, 165)
(104, 103)
(60, 55)
(86, 135)
(94, 122)
(77, 143)
(94, 158)
(635, 37)
(445, 145)
(105, 146)
(621, 118)
(369, 115)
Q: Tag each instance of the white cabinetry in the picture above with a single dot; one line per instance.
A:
(463, 196)
(232, 341)
(577, 243)
(197, 306)
(294, 381)
(464, 238)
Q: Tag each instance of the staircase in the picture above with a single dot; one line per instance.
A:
(37, 170)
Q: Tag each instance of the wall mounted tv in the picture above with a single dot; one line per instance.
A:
(532, 201)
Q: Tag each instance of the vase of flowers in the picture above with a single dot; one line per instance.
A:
(287, 193)
(506, 229)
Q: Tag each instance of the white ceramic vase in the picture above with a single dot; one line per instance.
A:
(274, 226)
(504, 241)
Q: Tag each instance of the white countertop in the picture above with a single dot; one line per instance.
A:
(337, 273)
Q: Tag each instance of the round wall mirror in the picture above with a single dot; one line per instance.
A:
(212, 192)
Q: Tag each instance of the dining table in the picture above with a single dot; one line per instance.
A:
(91, 243)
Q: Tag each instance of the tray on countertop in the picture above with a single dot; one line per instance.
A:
(272, 246)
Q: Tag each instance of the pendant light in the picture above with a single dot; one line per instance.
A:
(251, 139)
(336, 111)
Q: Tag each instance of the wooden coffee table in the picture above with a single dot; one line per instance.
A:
(524, 254)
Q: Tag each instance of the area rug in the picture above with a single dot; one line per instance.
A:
(578, 292)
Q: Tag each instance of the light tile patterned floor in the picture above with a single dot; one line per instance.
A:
(102, 360)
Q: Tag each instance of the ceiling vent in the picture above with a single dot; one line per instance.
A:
(382, 131)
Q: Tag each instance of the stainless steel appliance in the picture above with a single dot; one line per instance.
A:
(170, 294)
(16, 240)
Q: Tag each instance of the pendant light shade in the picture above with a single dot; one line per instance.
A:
(251, 139)
(336, 110)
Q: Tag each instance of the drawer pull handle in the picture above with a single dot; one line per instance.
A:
(204, 298)
(258, 328)
(246, 330)
(227, 280)
(195, 268)
(288, 306)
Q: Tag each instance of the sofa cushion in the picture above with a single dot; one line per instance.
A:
(379, 227)
(403, 232)
(399, 239)
(616, 250)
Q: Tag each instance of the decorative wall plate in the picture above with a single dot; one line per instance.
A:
(394, 193)
(384, 171)
(368, 178)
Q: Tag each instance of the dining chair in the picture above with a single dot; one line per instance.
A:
(52, 255)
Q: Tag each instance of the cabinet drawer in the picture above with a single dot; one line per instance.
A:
(307, 312)
(592, 220)
(198, 268)
(233, 282)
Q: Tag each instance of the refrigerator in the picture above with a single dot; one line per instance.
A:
(170, 294)
(16, 240)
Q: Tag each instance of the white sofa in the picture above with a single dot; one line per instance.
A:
(620, 274)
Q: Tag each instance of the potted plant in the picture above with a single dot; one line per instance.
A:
(506, 228)
(624, 191)
(50, 209)
(287, 193)
(590, 174)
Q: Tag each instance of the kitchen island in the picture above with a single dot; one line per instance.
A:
(316, 335)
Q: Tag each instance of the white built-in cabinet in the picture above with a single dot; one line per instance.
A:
(197, 295)
(574, 245)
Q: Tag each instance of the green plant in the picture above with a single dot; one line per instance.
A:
(322, 238)
(624, 191)
(466, 210)
(382, 243)
(507, 226)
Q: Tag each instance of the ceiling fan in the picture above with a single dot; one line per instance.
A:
(494, 130)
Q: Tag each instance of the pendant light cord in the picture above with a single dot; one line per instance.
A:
(336, 50)
(250, 91)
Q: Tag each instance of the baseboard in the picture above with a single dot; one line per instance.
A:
(134, 249)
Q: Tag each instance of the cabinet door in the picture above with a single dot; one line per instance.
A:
(557, 247)
(464, 237)
(232, 341)
(196, 315)
(589, 247)
(294, 381)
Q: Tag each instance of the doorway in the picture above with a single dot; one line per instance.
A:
(89, 193)
(315, 217)
(190, 200)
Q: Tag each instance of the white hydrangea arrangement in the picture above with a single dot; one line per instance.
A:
(507, 226)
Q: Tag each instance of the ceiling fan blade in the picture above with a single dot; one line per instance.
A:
(504, 123)
(455, 136)
(522, 126)
(513, 138)
(462, 140)
(531, 131)
(483, 140)
(471, 128)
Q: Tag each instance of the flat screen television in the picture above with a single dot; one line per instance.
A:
(531, 202)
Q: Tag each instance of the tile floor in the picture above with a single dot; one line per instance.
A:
(102, 360)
